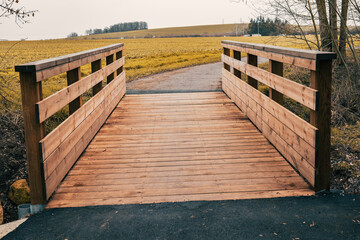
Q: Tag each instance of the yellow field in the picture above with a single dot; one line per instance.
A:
(143, 56)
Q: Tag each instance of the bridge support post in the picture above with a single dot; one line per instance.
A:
(252, 60)
(237, 56)
(95, 66)
(72, 77)
(227, 53)
(31, 93)
(119, 55)
(278, 69)
(321, 119)
(109, 60)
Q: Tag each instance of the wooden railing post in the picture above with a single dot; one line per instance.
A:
(237, 55)
(321, 119)
(31, 93)
(252, 60)
(72, 77)
(118, 56)
(109, 60)
(95, 66)
(278, 69)
(227, 53)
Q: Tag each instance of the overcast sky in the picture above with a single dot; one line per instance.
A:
(56, 19)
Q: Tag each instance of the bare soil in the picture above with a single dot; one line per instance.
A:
(12, 159)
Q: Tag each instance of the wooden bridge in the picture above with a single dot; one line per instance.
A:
(146, 148)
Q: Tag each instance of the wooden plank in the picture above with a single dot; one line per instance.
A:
(63, 168)
(52, 62)
(284, 139)
(286, 117)
(297, 57)
(31, 92)
(61, 68)
(58, 100)
(296, 91)
(321, 80)
(60, 133)
(180, 198)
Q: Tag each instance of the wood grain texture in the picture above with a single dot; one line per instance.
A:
(177, 147)
(31, 93)
(296, 91)
(288, 139)
(60, 151)
(50, 105)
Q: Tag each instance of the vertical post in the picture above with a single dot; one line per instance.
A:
(252, 60)
(109, 60)
(118, 56)
(278, 69)
(31, 93)
(321, 119)
(237, 55)
(227, 53)
(72, 77)
(95, 66)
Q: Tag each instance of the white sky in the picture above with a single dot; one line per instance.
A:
(56, 19)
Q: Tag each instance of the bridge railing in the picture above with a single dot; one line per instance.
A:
(50, 157)
(306, 145)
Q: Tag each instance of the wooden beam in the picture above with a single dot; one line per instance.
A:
(252, 60)
(72, 77)
(278, 69)
(119, 55)
(109, 60)
(227, 53)
(95, 66)
(31, 93)
(321, 81)
(237, 55)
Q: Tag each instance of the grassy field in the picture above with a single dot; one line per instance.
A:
(205, 31)
(143, 56)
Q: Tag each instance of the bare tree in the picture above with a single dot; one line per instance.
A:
(11, 8)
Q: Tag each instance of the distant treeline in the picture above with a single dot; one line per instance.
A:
(267, 27)
(120, 27)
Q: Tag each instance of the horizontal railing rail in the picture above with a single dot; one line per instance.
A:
(306, 145)
(50, 157)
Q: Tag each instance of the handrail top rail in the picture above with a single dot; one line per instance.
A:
(294, 52)
(56, 61)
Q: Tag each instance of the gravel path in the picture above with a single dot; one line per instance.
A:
(206, 77)
(201, 78)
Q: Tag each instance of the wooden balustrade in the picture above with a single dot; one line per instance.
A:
(50, 157)
(305, 145)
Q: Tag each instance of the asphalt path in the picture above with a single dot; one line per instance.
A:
(327, 216)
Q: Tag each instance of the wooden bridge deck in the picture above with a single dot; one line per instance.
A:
(177, 147)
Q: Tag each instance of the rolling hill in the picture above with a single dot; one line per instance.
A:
(192, 31)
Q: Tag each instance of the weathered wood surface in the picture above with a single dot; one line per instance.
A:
(52, 104)
(308, 59)
(296, 91)
(62, 147)
(292, 136)
(177, 147)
